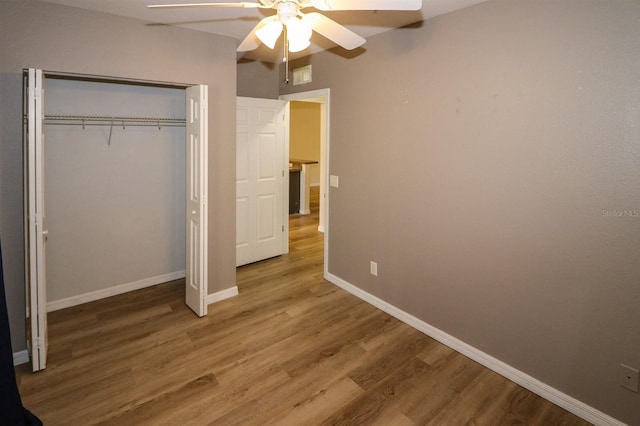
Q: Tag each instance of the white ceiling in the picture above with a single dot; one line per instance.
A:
(238, 22)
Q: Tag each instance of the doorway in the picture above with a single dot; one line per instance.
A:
(321, 97)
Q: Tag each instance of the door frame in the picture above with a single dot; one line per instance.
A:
(322, 97)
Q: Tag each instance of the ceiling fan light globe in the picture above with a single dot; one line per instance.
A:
(270, 33)
(298, 45)
(298, 30)
(310, 19)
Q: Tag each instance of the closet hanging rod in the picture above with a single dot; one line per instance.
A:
(85, 120)
(116, 124)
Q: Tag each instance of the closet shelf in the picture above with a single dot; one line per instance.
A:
(86, 120)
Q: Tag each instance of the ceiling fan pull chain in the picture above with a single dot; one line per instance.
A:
(286, 55)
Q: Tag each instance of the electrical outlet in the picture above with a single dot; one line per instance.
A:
(629, 377)
(373, 268)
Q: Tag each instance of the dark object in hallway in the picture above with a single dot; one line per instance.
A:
(294, 190)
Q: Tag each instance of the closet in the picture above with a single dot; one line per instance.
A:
(118, 197)
(114, 188)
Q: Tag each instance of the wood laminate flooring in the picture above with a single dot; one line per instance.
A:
(290, 349)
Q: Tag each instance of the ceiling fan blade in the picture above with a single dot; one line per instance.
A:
(335, 32)
(367, 4)
(251, 41)
(177, 5)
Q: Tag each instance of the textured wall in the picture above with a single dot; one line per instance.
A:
(489, 161)
(257, 79)
(59, 38)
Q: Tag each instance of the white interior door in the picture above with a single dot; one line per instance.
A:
(35, 229)
(197, 182)
(262, 178)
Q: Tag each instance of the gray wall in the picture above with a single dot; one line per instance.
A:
(502, 197)
(59, 38)
(257, 79)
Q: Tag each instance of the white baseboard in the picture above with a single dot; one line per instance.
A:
(20, 358)
(321, 229)
(547, 392)
(112, 291)
(222, 295)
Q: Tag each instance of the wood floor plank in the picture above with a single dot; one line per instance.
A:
(153, 410)
(290, 349)
(371, 406)
(391, 358)
(315, 408)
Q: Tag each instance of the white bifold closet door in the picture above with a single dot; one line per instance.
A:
(197, 153)
(35, 230)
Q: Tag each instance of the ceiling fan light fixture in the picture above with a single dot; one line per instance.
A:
(310, 19)
(298, 45)
(270, 33)
(298, 30)
(298, 34)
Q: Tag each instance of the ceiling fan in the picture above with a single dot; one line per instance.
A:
(296, 26)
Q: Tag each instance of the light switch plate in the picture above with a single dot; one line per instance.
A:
(333, 181)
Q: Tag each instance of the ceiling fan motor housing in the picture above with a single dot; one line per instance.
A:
(287, 10)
